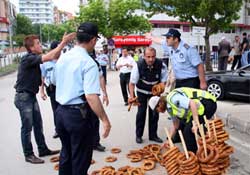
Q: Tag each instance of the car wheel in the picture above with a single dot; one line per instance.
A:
(216, 89)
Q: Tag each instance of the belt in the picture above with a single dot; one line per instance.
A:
(187, 79)
(75, 106)
(82, 107)
(23, 91)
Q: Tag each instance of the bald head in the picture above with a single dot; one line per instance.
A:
(150, 55)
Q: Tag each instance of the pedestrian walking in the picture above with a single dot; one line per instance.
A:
(181, 104)
(245, 46)
(47, 70)
(103, 60)
(223, 51)
(145, 74)
(237, 53)
(27, 86)
(125, 64)
(77, 90)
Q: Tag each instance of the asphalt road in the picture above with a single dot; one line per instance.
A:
(122, 134)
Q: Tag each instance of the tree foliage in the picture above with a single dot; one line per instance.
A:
(116, 17)
(23, 25)
(214, 15)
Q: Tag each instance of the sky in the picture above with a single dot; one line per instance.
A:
(66, 5)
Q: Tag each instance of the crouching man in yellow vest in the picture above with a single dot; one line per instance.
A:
(184, 105)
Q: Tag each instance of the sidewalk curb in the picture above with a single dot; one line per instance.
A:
(235, 123)
(7, 73)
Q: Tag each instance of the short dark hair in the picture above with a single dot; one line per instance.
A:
(54, 45)
(124, 48)
(84, 37)
(28, 41)
(244, 34)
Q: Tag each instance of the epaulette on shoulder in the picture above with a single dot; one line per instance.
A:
(186, 46)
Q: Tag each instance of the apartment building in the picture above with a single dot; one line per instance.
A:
(7, 16)
(39, 11)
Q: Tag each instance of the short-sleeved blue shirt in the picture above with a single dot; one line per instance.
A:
(76, 73)
(185, 60)
(47, 70)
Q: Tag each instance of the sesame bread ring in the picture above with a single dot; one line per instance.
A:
(54, 159)
(115, 150)
(110, 159)
(148, 165)
(56, 167)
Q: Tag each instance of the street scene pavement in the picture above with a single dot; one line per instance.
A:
(236, 115)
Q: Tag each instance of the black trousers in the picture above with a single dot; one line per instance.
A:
(75, 133)
(96, 125)
(141, 117)
(124, 81)
(236, 61)
(189, 137)
(222, 63)
(104, 72)
(51, 91)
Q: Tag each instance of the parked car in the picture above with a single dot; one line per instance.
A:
(230, 83)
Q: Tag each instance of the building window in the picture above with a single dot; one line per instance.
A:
(248, 11)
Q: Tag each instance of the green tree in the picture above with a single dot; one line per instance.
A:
(19, 39)
(117, 17)
(23, 25)
(214, 15)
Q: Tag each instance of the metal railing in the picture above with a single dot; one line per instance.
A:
(9, 59)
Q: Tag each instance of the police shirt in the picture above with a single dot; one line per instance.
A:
(166, 49)
(134, 77)
(76, 73)
(103, 59)
(180, 100)
(185, 60)
(29, 73)
(47, 70)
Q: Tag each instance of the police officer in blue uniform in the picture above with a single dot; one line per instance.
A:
(77, 90)
(47, 70)
(145, 74)
(187, 65)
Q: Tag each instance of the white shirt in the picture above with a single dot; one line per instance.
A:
(125, 60)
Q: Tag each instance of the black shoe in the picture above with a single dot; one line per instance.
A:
(156, 139)
(99, 147)
(48, 152)
(126, 104)
(55, 135)
(138, 140)
(33, 159)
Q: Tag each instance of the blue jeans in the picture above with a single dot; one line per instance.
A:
(30, 114)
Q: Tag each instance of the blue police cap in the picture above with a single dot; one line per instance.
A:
(88, 28)
(172, 32)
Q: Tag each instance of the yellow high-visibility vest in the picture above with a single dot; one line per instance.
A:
(194, 94)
